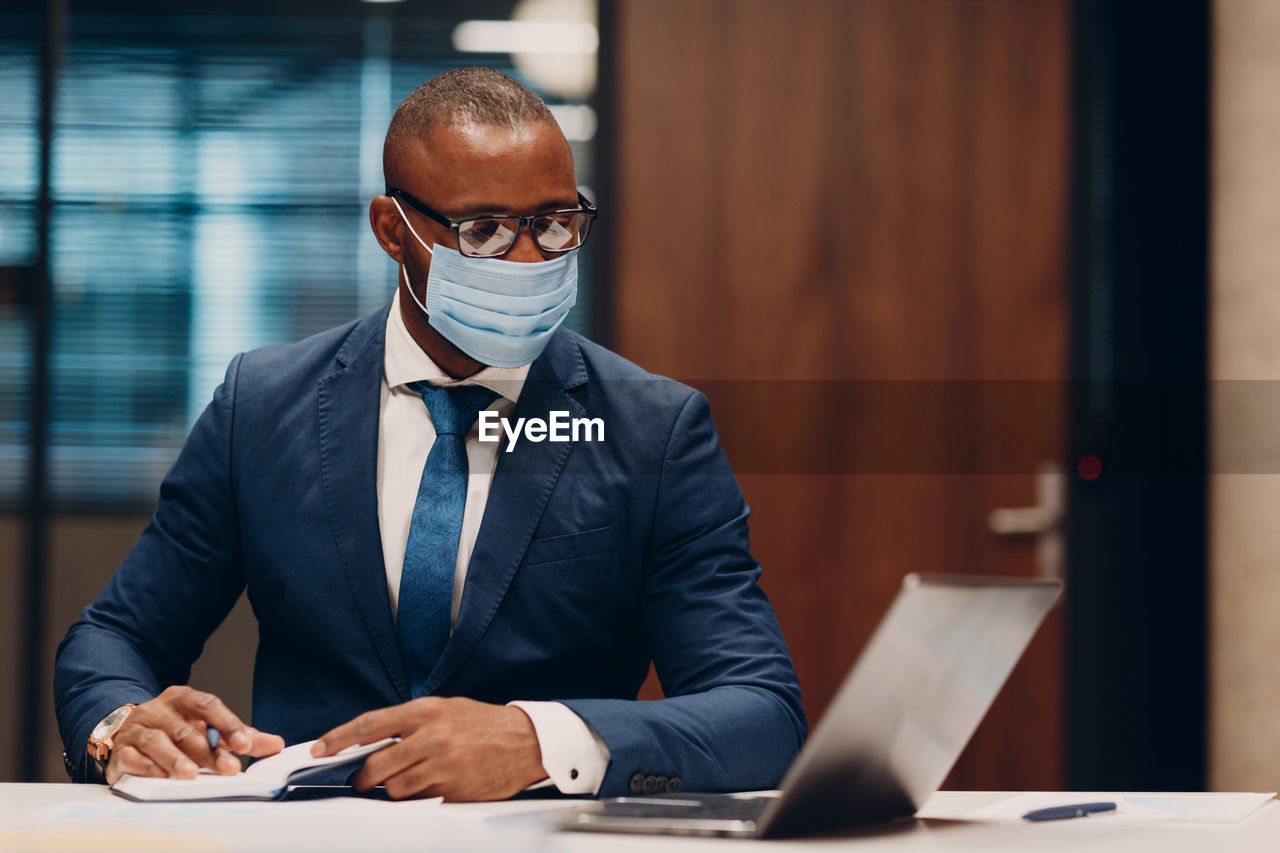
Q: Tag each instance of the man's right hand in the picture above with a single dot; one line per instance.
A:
(166, 737)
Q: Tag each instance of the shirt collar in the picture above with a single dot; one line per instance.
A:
(405, 362)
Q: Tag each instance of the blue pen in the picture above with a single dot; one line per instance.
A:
(1064, 812)
(214, 736)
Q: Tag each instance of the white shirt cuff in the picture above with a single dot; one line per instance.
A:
(573, 755)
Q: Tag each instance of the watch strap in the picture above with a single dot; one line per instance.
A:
(95, 771)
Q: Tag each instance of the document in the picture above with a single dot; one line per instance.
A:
(267, 779)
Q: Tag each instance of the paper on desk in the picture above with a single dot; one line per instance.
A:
(1136, 807)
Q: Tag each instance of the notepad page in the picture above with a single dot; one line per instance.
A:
(206, 786)
(264, 779)
(290, 760)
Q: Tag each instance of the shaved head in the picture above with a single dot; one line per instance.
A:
(458, 98)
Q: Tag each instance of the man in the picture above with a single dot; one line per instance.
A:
(410, 579)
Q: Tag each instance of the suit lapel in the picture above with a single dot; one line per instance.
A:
(349, 403)
(522, 483)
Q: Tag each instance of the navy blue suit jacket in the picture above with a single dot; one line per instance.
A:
(592, 559)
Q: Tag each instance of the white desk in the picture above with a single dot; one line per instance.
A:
(88, 817)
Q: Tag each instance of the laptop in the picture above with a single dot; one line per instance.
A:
(904, 714)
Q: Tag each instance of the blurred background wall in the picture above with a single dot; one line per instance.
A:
(1245, 359)
(879, 205)
(955, 249)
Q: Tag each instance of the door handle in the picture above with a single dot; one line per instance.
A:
(1043, 521)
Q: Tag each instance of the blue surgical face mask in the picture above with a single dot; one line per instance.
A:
(500, 313)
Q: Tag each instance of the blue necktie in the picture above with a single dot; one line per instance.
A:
(426, 582)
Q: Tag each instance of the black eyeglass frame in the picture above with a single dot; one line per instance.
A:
(454, 225)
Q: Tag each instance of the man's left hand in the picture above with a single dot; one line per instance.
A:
(456, 748)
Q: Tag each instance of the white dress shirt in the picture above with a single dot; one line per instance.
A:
(573, 755)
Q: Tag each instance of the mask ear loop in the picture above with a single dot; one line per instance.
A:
(409, 225)
(404, 272)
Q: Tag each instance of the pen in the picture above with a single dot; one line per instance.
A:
(215, 737)
(1063, 812)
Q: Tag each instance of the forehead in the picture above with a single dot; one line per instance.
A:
(459, 168)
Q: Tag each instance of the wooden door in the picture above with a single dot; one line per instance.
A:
(858, 208)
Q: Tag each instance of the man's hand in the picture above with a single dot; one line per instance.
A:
(166, 737)
(457, 748)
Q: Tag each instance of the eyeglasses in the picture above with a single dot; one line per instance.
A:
(493, 236)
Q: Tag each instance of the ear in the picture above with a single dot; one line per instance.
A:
(387, 226)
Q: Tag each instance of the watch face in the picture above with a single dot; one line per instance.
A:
(110, 723)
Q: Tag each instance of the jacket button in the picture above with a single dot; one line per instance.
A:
(637, 784)
(673, 784)
(650, 784)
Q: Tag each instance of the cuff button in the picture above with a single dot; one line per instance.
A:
(573, 774)
(637, 783)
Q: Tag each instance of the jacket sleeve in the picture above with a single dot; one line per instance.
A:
(177, 584)
(732, 718)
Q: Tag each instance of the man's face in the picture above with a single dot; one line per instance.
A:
(466, 171)
(482, 169)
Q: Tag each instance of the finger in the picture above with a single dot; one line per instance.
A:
(366, 728)
(188, 735)
(385, 763)
(156, 745)
(198, 705)
(226, 763)
(129, 760)
(416, 780)
(262, 743)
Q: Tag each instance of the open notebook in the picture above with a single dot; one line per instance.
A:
(267, 779)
